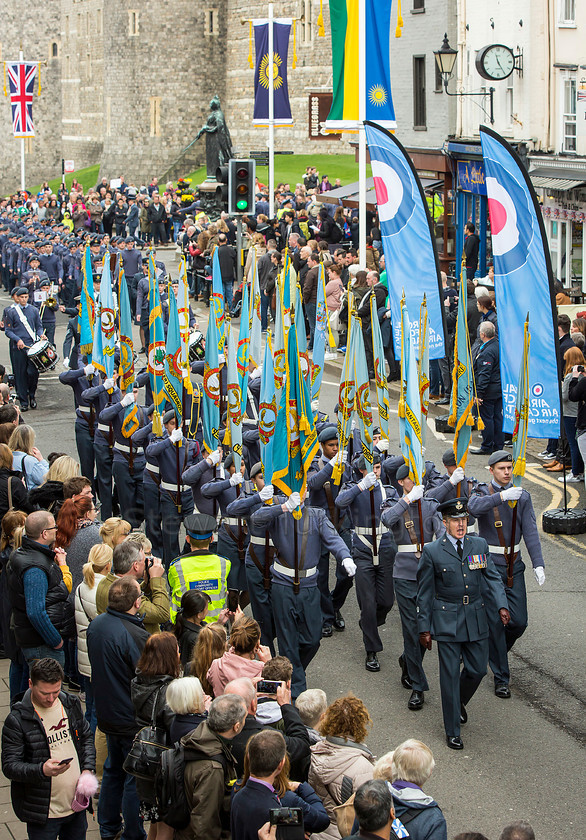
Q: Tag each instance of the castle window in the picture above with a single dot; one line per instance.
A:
(155, 102)
(54, 50)
(132, 22)
(211, 22)
(307, 22)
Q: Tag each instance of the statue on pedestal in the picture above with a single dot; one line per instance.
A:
(218, 141)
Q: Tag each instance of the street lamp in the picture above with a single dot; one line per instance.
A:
(445, 59)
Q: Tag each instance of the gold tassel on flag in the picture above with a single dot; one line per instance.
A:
(250, 61)
(321, 31)
(398, 32)
(294, 64)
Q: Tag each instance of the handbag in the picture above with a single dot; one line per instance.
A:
(149, 743)
(335, 320)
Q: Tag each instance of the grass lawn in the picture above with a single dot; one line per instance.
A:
(87, 177)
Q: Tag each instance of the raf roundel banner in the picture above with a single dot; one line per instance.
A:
(523, 284)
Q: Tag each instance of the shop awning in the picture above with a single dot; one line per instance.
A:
(348, 194)
(557, 178)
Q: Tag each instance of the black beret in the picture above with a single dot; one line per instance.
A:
(402, 472)
(499, 456)
(256, 469)
(200, 526)
(448, 458)
(327, 434)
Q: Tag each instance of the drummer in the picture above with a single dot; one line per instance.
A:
(23, 327)
(47, 304)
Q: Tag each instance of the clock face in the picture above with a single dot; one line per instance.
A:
(496, 62)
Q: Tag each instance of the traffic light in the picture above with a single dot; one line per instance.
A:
(222, 188)
(241, 186)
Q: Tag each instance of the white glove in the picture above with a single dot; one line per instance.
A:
(511, 494)
(108, 384)
(127, 399)
(215, 457)
(539, 575)
(383, 445)
(255, 373)
(293, 502)
(221, 358)
(314, 406)
(369, 480)
(236, 479)
(176, 435)
(267, 492)
(89, 370)
(338, 458)
(457, 476)
(415, 494)
(349, 566)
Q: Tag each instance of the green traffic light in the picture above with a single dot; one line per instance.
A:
(242, 204)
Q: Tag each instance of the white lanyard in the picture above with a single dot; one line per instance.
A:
(25, 322)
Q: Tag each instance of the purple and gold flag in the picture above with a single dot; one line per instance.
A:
(262, 70)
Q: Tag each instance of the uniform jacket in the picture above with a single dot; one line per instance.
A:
(444, 580)
(487, 371)
(393, 517)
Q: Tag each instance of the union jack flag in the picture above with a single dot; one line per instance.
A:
(21, 79)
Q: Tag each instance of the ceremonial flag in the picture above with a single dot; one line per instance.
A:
(107, 322)
(255, 316)
(363, 409)
(130, 421)
(97, 344)
(295, 441)
(301, 336)
(21, 82)
(279, 362)
(346, 394)
(233, 435)
(267, 412)
(211, 388)
(218, 299)
(322, 335)
(262, 80)
(523, 283)
(423, 369)
(380, 375)
(87, 306)
(408, 239)
(345, 24)
(156, 350)
(521, 412)
(173, 372)
(243, 353)
(183, 312)
(462, 381)
(411, 444)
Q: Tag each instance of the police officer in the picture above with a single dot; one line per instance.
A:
(199, 568)
(259, 554)
(99, 396)
(295, 594)
(23, 327)
(453, 481)
(489, 504)
(452, 575)
(323, 493)
(402, 517)
(373, 553)
(79, 381)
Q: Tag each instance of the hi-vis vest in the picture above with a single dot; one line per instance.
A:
(203, 571)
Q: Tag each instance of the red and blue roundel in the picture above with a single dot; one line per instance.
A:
(511, 220)
(537, 390)
(394, 196)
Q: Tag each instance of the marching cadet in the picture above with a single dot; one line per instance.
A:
(295, 594)
(41, 292)
(448, 489)
(199, 474)
(150, 486)
(453, 574)
(79, 381)
(323, 494)
(259, 555)
(128, 461)
(232, 536)
(392, 463)
(373, 553)
(23, 327)
(98, 397)
(174, 454)
(199, 568)
(402, 518)
(489, 504)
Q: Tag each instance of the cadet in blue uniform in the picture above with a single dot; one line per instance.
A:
(489, 504)
(448, 488)
(295, 593)
(259, 555)
(323, 493)
(79, 381)
(100, 396)
(199, 474)
(373, 552)
(392, 463)
(150, 488)
(452, 576)
(23, 327)
(402, 518)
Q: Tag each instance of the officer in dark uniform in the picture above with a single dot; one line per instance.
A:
(490, 505)
(402, 518)
(150, 487)
(454, 480)
(295, 594)
(452, 575)
(373, 552)
(23, 327)
(79, 381)
(323, 493)
(99, 396)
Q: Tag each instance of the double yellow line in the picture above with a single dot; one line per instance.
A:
(537, 475)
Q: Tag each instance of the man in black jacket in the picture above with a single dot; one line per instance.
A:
(471, 248)
(363, 311)
(47, 746)
(488, 391)
(157, 216)
(227, 260)
(115, 641)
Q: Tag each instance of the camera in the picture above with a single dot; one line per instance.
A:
(232, 600)
(289, 822)
(581, 368)
(10, 379)
(267, 686)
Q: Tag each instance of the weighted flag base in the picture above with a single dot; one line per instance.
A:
(560, 521)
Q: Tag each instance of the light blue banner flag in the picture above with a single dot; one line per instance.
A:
(87, 306)
(173, 373)
(523, 284)
(380, 374)
(255, 351)
(267, 412)
(411, 446)
(423, 370)
(462, 399)
(301, 336)
(218, 299)
(97, 344)
(107, 318)
(211, 388)
(362, 383)
(233, 436)
(320, 336)
(407, 236)
(243, 352)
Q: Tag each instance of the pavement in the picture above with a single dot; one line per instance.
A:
(523, 757)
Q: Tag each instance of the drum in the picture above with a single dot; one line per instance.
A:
(43, 355)
(197, 349)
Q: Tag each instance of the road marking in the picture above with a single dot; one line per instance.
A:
(557, 486)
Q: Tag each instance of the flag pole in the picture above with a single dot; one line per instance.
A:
(362, 131)
(271, 69)
(22, 170)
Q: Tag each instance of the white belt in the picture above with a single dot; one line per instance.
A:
(285, 570)
(367, 532)
(85, 409)
(121, 447)
(231, 520)
(103, 427)
(260, 541)
(152, 468)
(498, 549)
(407, 549)
(183, 488)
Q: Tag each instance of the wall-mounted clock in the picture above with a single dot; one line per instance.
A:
(495, 62)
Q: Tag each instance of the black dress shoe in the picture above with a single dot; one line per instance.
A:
(416, 700)
(443, 401)
(454, 743)
(339, 623)
(463, 714)
(326, 631)
(478, 450)
(405, 681)
(33, 403)
(24, 407)
(372, 663)
(503, 691)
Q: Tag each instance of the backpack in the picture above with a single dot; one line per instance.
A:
(172, 804)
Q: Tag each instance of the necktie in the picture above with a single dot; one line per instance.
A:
(459, 547)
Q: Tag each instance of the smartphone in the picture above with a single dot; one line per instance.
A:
(65, 761)
(289, 822)
(232, 600)
(268, 687)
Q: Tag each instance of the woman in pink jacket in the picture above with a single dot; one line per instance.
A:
(245, 658)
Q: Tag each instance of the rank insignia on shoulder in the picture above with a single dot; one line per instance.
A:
(477, 561)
